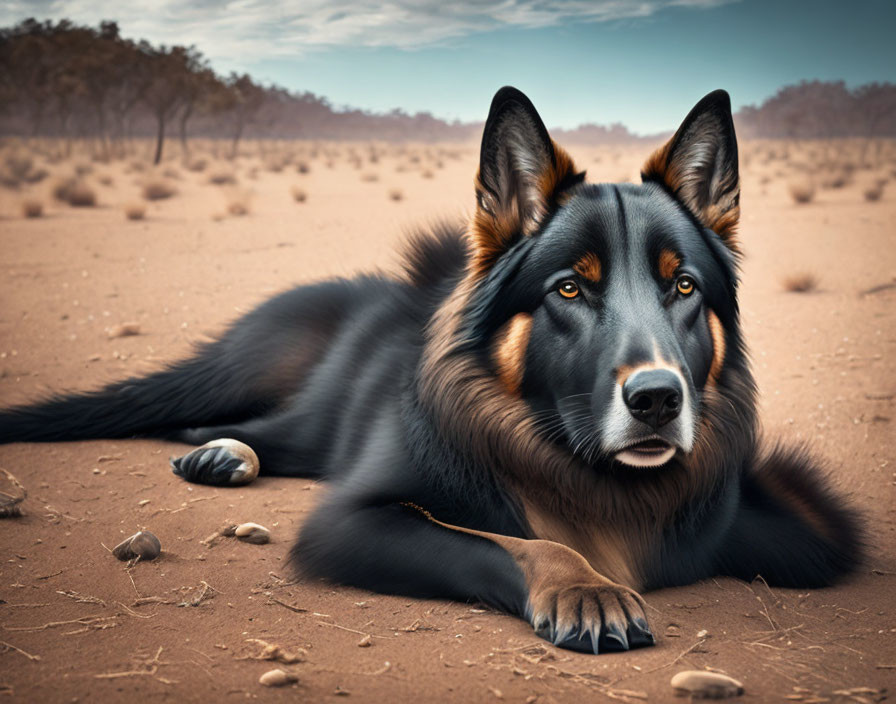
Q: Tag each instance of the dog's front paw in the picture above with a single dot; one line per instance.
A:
(223, 462)
(592, 618)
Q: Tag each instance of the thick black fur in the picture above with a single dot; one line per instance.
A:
(325, 381)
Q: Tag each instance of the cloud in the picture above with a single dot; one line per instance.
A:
(236, 31)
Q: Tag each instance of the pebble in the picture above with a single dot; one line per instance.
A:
(701, 684)
(277, 678)
(253, 533)
(143, 545)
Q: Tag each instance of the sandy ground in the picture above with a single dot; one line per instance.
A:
(77, 625)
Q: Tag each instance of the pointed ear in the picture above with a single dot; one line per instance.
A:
(699, 166)
(522, 175)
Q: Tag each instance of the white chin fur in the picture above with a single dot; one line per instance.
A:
(640, 459)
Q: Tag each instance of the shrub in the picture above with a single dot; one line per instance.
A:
(396, 194)
(802, 282)
(298, 195)
(135, 211)
(873, 192)
(158, 189)
(32, 208)
(802, 191)
(75, 192)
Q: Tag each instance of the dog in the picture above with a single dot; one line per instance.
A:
(549, 411)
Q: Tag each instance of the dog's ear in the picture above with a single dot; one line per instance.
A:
(522, 175)
(699, 165)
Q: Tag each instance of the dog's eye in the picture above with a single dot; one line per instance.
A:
(568, 289)
(685, 285)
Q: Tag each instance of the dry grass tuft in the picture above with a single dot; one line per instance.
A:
(32, 208)
(426, 173)
(302, 167)
(135, 211)
(222, 177)
(370, 177)
(238, 203)
(802, 191)
(196, 165)
(75, 192)
(105, 180)
(873, 192)
(158, 189)
(396, 194)
(802, 282)
(298, 195)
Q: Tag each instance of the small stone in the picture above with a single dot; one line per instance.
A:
(277, 678)
(700, 684)
(253, 533)
(703, 634)
(124, 330)
(143, 545)
(673, 631)
(365, 642)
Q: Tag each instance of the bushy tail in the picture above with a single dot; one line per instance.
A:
(200, 391)
(792, 528)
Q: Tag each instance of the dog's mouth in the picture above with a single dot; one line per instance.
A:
(654, 452)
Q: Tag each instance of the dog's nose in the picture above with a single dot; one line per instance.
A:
(653, 396)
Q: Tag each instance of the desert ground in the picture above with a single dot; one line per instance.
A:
(195, 624)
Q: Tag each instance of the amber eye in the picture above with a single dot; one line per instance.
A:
(569, 289)
(685, 285)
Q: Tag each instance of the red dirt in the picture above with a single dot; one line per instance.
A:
(70, 615)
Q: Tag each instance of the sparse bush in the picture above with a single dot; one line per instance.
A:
(75, 192)
(370, 177)
(197, 165)
(105, 180)
(873, 192)
(802, 191)
(158, 189)
(238, 206)
(802, 282)
(302, 167)
(396, 194)
(83, 169)
(222, 177)
(298, 195)
(835, 178)
(135, 211)
(32, 208)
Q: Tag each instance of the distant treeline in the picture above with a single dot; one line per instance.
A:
(70, 81)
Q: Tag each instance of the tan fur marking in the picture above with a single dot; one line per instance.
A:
(510, 351)
(492, 233)
(659, 167)
(589, 267)
(718, 346)
(551, 569)
(668, 263)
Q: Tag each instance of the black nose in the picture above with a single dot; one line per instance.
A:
(653, 396)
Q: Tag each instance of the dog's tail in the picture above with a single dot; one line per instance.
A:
(253, 368)
(199, 391)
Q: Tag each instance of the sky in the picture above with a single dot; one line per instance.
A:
(643, 63)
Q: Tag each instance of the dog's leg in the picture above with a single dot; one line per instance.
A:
(791, 528)
(395, 549)
(272, 443)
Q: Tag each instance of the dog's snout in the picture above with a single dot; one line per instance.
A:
(653, 396)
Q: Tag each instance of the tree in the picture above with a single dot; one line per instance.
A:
(168, 72)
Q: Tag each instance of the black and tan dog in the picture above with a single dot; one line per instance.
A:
(549, 412)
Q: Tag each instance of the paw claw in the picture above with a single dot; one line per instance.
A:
(639, 633)
(220, 463)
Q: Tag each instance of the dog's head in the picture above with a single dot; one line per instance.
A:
(608, 308)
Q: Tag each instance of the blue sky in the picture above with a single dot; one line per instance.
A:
(640, 62)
